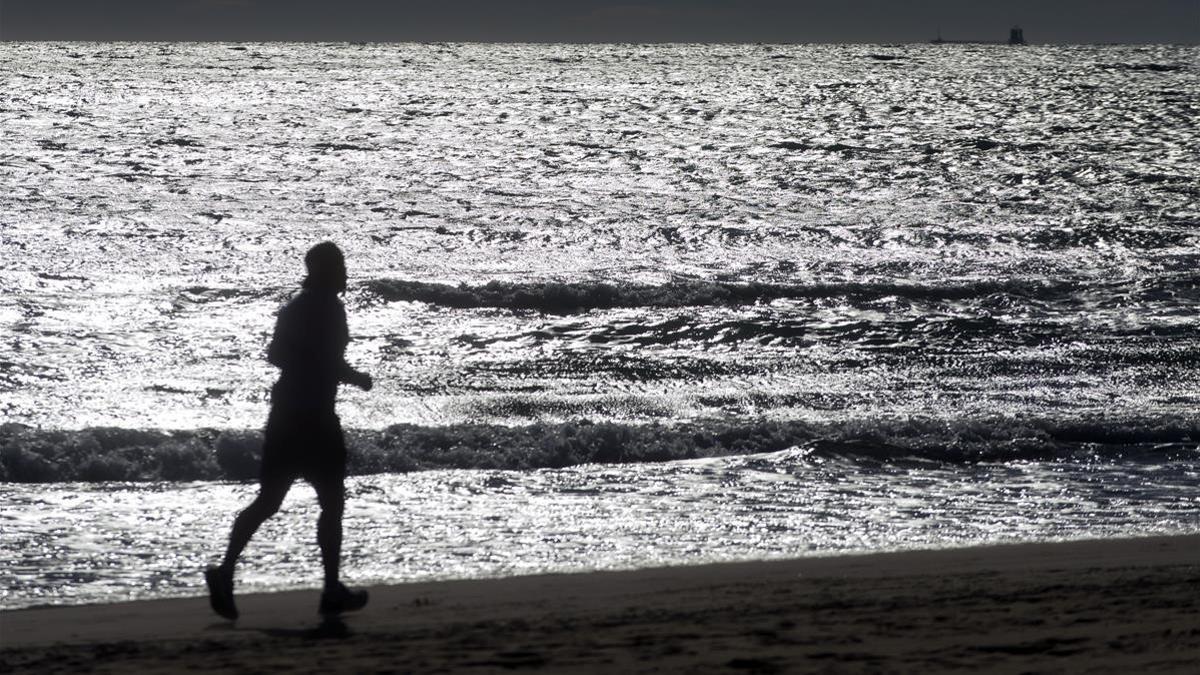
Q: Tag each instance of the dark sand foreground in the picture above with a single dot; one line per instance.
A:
(1112, 606)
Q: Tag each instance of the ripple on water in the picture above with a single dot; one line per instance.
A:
(74, 543)
(161, 196)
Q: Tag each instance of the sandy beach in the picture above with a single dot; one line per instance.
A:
(1111, 606)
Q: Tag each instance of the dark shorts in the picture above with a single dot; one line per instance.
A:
(303, 444)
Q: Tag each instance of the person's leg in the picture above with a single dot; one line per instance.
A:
(327, 474)
(220, 579)
(270, 495)
(336, 598)
(331, 495)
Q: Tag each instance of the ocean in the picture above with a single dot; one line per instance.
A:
(625, 305)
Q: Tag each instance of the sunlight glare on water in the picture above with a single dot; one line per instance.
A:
(74, 543)
(959, 282)
(1000, 226)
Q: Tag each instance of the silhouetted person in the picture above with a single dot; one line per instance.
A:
(304, 436)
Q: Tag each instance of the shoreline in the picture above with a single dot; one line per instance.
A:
(1096, 604)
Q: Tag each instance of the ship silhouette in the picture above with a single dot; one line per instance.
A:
(1016, 36)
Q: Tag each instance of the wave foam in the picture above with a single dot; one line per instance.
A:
(568, 298)
(107, 454)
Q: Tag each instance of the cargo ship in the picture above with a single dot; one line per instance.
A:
(1016, 36)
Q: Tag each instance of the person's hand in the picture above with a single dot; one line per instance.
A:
(363, 381)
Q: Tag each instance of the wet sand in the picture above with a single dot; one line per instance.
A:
(1111, 606)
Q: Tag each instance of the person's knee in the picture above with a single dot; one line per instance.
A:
(267, 503)
(333, 508)
(333, 502)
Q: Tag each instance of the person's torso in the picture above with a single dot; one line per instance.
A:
(309, 347)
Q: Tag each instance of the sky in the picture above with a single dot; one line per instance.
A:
(1081, 21)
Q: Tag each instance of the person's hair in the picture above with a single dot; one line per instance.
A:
(325, 264)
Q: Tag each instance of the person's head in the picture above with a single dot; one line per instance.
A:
(326, 268)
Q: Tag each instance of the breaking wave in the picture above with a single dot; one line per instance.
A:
(29, 455)
(568, 298)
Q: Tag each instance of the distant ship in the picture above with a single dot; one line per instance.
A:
(1016, 36)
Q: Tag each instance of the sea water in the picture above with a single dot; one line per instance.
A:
(625, 305)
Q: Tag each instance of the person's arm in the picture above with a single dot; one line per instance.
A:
(346, 373)
(356, 377)
(279, 350)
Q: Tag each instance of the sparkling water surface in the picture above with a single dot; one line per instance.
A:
(73, 543)
(1013, 229)
(907, 243)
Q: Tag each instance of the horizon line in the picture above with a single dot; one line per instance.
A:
(988, 43)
